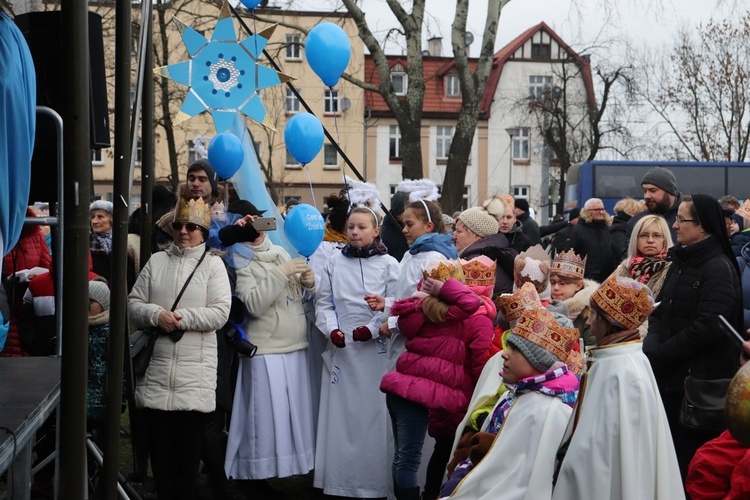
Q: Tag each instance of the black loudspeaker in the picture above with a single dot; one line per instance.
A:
(42, 31)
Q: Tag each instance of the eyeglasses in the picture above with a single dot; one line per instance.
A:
(655, 236)
(681, 220)
(177, 226)
(596, 210)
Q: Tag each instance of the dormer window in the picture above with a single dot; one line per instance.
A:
(452, 87)
(399, 80)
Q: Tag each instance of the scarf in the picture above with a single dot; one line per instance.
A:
(643, 268)
(333, 235)
(553, 383)
(375, 248)
(102, 241)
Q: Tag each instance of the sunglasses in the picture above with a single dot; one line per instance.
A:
(177, 226)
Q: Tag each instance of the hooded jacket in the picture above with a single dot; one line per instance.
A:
(517, 239)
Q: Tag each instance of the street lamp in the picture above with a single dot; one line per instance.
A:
(512, 132)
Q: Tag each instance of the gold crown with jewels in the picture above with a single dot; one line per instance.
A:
(193, 211)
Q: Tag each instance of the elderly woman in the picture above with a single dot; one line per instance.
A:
(683, 339)
(476, 233)
(178, 388)
(100, 214)
(271, 432)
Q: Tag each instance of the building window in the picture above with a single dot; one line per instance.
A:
(330, 156)
(139, 152)
(521, 192)
(452, 88)
(293, 47)
(538, 85)
(292, 103)
(394, 142)
(399, 82)
(521, 144)
(291, 162)
(331, 101)
(96, 157)
(196, 150)
(443, 144)
(541, 51)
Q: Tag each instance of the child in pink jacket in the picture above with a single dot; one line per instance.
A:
(446, 346)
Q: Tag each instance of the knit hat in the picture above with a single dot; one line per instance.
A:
(662, 178)
(291, 202)
(99, 292)
(448, 220)
(522, 204)
(479, 221)
(203, 164)
(574, 213)
(193, 211)
(495, 207)
(398, 202)
(244, 207)
(101, 205)
(623, 301)
(541, 339)
(512, 305)
(569, 265)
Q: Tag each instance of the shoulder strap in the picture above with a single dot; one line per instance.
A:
(179, 296)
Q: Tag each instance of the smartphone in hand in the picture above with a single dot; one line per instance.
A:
(265, 223)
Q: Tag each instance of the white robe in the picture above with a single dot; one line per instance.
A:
(621, 447)
(520, 464)
(351, 458)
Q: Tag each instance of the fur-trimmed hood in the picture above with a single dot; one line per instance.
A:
(580, 301)
(586, 217)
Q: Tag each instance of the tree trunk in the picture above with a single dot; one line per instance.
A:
(163, 84)
(455, 172)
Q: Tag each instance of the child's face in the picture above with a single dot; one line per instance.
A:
(562, 288)
(515, 366)
(95, 308)
(362, 230)
(414, 227)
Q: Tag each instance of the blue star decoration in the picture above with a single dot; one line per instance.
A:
(223, 74)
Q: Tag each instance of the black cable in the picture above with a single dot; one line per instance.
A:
(15, 450)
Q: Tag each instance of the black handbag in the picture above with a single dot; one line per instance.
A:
(703, 404)
(142, 341)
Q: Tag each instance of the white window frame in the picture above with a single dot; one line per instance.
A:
(404, 82)
(331, 102)
(293, 50)
(521, 144)
(292, 104)
(538, 84)
(291, 162)
(452, 86)
(521, 192)
(329, 148)
(97, 158)
(443, 139)
(394, 141)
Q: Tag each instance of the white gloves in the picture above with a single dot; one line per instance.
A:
(294, 266)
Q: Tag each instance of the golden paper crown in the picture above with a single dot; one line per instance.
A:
(508, 201)
(443, 270)
(568, 264)
(512, 305)
(540, 327)
(479, 271)
(624, 302)
(575, 362)
(195, 211)
(744, 210)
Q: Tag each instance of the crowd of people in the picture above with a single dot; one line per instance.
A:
(538, 362)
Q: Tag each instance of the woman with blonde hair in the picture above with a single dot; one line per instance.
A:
(646, 259)
(624, 210)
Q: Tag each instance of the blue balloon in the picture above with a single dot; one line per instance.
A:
(225, 154)
(250, 4)
(328, 50)
(303, 136)
(304, 228)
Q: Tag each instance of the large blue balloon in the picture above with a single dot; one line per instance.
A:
(225, 154)
(304, 228)
(328, 50)
(250, 4)
(303, 136)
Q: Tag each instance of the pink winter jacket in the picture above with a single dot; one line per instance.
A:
(442, 361)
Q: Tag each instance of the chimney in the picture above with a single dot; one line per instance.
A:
(435, 46)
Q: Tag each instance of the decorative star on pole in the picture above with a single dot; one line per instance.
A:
(223, 74)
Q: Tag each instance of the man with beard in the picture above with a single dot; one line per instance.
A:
(661, 197)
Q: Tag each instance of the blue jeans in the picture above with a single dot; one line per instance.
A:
(409, 422)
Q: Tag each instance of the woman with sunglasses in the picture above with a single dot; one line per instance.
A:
(178, 388)
(684, 337)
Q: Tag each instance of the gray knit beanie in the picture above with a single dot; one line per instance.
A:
(99, 292)
(662, 178)
(541, 359)
(479, 221)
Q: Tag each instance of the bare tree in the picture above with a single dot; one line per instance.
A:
(701, 91)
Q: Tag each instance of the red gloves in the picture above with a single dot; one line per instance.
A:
(361, 334)
(337, 338)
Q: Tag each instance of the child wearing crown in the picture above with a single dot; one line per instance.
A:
(568, 286)
(448, 329)
(532, 414)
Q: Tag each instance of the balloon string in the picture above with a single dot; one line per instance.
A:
(255, 40)
(309, 180)
(338, 139)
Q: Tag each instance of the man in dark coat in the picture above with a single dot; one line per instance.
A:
(561, 236)
(391, 232)
(529, 226)
(661, 197)
(591, 238)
